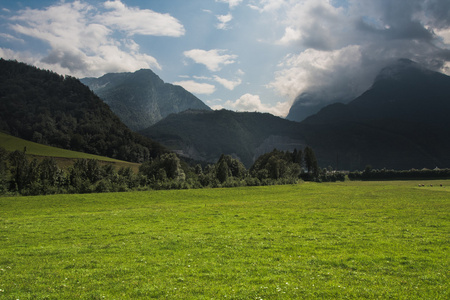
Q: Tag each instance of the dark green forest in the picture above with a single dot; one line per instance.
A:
(21, 175)
(24, 176)
(212, 133)
(47, 108)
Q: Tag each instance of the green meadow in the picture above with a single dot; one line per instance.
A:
(63, 157)
(349, 240)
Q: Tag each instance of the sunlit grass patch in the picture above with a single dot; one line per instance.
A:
(341, 240)
(63, 157)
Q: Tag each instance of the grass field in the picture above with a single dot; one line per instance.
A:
(351, 240)
(63, 157)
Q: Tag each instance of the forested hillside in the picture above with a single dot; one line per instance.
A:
(206, 135)
(51, 109)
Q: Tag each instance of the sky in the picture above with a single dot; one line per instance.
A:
(242, 55)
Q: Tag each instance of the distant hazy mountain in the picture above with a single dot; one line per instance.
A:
(141, 99)
(403, 91)
(401, 122)
(51, 109)
(303, 107)
(205, 135)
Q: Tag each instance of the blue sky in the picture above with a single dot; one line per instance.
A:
(245, 55)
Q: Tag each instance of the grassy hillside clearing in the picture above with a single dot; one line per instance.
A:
(349, 240)
(63, 157)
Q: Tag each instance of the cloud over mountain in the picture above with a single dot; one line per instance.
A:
(90, 40)
(251, 103)
(313, 52)
(196, 87)
(343, 44)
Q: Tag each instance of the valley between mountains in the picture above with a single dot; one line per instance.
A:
(401, 122)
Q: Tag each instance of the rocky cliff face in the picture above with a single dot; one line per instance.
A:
(141, 99)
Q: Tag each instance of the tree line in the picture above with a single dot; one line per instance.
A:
(385, 174)
(20, 175)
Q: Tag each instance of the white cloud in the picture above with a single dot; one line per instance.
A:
(290, 35)
(216, 107)
(229, 84)
(25, 56)
(444, 34)
(267, 5)
(223, 21)
(338, 72)
(140, 21)
(212, 59)
(315, 24)
(196, 87)
(231, 3)
(446, 68)
(64, 25)
(9, 37)
(82, 38)
(201, 77)
(249, 102)
(341, 48)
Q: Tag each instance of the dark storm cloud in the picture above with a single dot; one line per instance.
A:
(439, 10)
(410, 30)
(347, 47)
(66, 59)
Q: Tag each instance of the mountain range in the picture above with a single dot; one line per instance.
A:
(401, 122)
(141, 99)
